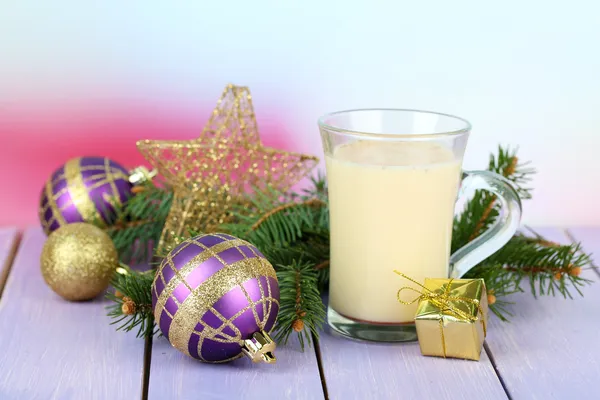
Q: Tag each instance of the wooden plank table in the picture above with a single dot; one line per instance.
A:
(53, 349)
(550, 349)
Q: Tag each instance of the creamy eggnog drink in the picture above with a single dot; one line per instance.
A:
(393, 177)
(391, 207)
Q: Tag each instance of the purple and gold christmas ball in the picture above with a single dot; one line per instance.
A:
(211, 293)
(84, 189)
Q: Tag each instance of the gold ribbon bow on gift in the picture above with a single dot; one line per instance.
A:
(445, 303)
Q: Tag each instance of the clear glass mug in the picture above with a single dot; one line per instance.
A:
(393, 179)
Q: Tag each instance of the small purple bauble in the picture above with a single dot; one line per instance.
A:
(84, 189)
(211, 293)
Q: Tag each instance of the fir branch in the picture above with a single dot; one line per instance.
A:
(275, 218)
(482, 210)
(285, 207)
(317, 189)
(132, 301)
(287, 231)
(292, 230)
(301, 309)
(312, 250)
(484, 219)
(506, 170)
(139, 224)
(550, 269)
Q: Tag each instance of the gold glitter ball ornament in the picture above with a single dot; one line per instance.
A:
(78, 261)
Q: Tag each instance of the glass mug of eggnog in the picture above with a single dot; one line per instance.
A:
(393, 180)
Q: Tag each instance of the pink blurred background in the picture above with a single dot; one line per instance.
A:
(38, 138)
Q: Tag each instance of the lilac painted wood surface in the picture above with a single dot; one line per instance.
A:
(176, 376)
(360, 370)
(551, 347)
(54, 349)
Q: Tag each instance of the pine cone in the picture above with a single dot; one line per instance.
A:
(298, 325)
(137, 189)
(558, 276)
(128, 308)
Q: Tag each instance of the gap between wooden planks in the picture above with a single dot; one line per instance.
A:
(486, 346)
(321, 364)
(549, 349)
(11, 240)
(175, 375)
(52, 348)
(360, 369)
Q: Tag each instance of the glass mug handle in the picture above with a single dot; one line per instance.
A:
(501, 231)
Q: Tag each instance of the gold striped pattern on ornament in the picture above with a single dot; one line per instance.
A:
(202, 298)
(80, 196)
(79, 193)
(56, 212)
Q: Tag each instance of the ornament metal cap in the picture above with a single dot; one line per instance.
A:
(260, 348)
(141, 174)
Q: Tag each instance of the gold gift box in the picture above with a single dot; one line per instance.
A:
(451, 318)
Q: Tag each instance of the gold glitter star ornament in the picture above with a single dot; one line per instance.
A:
(78, 261)
(220, 168)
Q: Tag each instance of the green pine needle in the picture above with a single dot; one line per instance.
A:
(136, 286)
(301, 309)
(139, 225)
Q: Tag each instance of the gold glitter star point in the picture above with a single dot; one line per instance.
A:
(213, 172)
